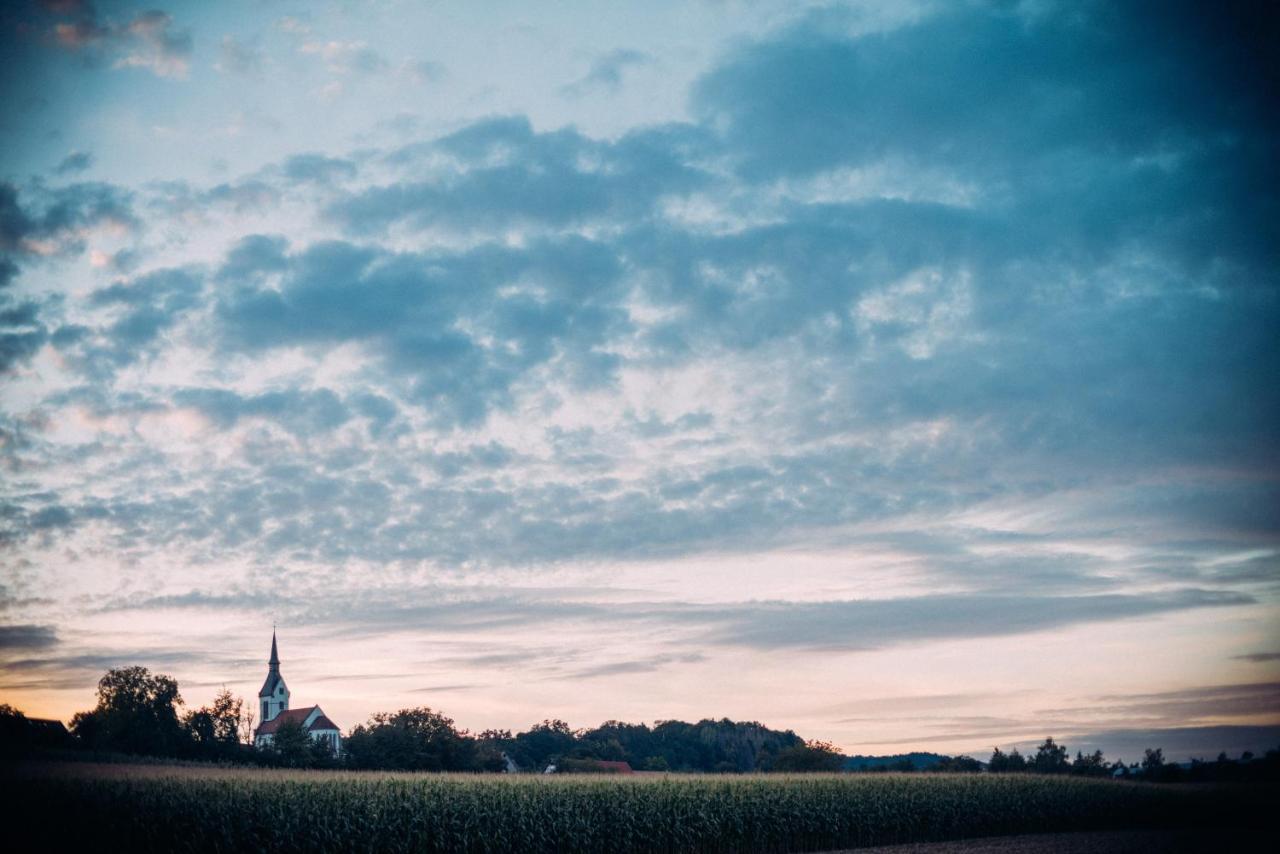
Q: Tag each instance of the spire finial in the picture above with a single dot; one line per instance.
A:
(275, 658)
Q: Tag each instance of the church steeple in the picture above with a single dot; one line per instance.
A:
(274, 696)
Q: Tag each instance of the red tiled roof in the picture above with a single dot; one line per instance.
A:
(323, 722)
(298, 716)
(614, 766)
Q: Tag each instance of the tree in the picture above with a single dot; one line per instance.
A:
(542, 744)
(13, 727)
(1154, 768)
(1002, 763)
(321, 753)
(1092, 765)
(416, 739)
(808, 757)
(957, 765)
(136, 713)
(291, 745)
(1050, 758)
(215, 730)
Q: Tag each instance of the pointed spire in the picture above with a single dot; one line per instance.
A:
(275, 657)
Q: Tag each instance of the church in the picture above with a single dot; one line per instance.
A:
(273, 704)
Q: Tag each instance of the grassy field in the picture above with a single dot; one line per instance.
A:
(159, 808)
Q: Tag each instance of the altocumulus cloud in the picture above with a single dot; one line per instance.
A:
(872, 295)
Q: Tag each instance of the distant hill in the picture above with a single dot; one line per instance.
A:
(919, 761)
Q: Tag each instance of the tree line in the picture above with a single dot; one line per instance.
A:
(140, 714)
(1053, 758)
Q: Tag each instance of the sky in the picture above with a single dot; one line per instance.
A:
(903, 374)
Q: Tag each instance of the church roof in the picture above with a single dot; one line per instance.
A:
(273, 671)
(273, 679)
(298, 716)
(322, 722)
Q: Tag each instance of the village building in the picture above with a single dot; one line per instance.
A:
(273, 705)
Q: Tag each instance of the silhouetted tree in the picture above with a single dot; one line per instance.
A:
(1050, 758)
(808, 757)
(543, 743)
(414, 739)
(291, 745)
(1092, 765)
(215, 730)
(957, 765)
(1003, 763)
(136, 713)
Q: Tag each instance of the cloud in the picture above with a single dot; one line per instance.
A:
(43, 222)
(81, 670)
(304, 412)
(318, 168)
(510, 175)
(606, 72)
(142, 310)
(407, 309)
(27, 637)
(346, 57)
(422, 71)
(648, 664)
(1244, 700)
(835, 625)
(1258, 657)
(1000, 331)
(21, 333)
(181, 199)
(236, 57)
(76, 161)
(149, 40)
(876, 624)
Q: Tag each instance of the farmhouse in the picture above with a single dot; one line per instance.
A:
(273, 704)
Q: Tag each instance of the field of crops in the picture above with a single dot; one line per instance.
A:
(177, 809)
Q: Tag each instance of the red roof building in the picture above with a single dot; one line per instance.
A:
(274, 703)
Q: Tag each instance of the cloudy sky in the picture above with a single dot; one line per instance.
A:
(901, 373)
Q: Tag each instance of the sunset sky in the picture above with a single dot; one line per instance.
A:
(903, 374)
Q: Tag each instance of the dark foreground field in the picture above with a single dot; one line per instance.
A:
(58, 806)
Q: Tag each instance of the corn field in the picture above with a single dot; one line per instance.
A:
(189, 810)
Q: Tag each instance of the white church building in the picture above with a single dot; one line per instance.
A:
(273, 705)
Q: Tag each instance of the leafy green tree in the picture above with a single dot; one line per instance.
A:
(136, 713)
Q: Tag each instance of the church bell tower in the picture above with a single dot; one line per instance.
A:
(274, 696)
